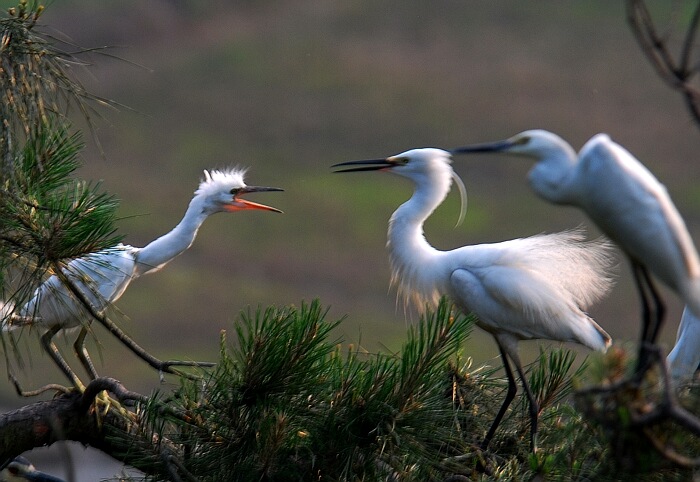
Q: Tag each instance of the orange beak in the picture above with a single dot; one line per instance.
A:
(240, 204)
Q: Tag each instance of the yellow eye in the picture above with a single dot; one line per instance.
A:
(521, 141)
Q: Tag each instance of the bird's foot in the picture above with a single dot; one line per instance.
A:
(46, 388)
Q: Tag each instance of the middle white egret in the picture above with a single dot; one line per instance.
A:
(627, 203)
(530, 288)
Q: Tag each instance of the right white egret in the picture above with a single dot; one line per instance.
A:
(530, 288)
(627, 203)
(86, 286)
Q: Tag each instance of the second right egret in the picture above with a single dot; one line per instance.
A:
(627, 203)
(521, 289)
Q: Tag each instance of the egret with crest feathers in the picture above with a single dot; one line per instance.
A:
(627, 203)
(86, 286)
(529, 288)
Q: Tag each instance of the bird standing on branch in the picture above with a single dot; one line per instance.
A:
(627, 203)
(529, 288)
(81, 290)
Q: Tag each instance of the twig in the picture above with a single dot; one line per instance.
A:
(676, 74)
(162, 366)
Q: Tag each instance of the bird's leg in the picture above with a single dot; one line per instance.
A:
(162, 366)
(50, 347)
(83, 355)
(651, 319)
(639, 278)
(660, 311)
(534, 406)
(510, 395)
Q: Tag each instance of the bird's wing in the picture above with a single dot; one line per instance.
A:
(628, 203)
(106, 273)
(510, 293)
(102, 277)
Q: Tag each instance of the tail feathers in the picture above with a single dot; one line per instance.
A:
(6, 309)
(598, 338)
(10, 320)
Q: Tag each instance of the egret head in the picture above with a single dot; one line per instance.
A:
(223, 191)
(534, 144)
(412, 164)
(425, 166)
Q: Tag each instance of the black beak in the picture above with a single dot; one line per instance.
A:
(366, 165)
(485, 147)
(248, 189)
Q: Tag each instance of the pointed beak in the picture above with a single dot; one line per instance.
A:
(496, 146)
(366, 165)
(240, 204)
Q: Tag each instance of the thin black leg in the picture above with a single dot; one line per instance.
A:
(534, 406)
(652, 318)
(510, 395)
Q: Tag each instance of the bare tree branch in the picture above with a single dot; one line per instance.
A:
(76, 416)
(676, 73)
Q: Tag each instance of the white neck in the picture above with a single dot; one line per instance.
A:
(411, 256)
(552, 174)
(159, 252)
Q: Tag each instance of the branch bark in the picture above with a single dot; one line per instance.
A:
(77, 416)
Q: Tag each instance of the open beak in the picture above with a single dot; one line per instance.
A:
(366, 165)
(239, 203)
(496, 146)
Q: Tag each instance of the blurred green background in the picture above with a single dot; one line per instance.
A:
(290, 88)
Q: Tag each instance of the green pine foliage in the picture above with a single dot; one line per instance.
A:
(36, 85)
(288, 402)
(47, 215)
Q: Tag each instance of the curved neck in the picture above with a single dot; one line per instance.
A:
(552, 174)
(406, 224)
(158, 252)
(410, 254)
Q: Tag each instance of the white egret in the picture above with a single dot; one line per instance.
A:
(684, 359)
(20, 469)
(529, 288)
(627, 203)
(86, 286)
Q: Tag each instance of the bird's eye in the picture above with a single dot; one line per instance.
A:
(235, 191)
(402, 161)
(521, 141)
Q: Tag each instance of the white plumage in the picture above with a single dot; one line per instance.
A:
(102, 277)
(628, 204)
(684, 358)
(536, 287)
